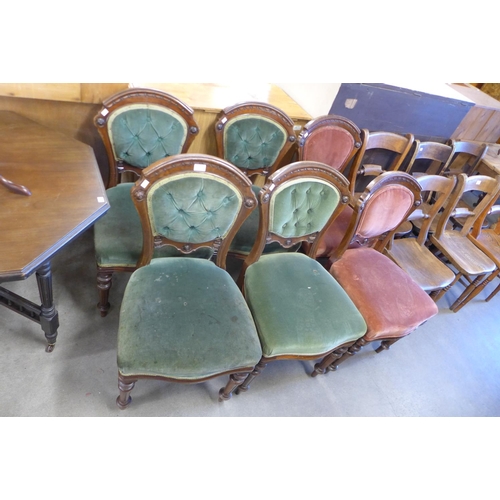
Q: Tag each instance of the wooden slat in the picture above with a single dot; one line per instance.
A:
(50, 91)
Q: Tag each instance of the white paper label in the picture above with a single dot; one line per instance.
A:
(100, 199)
(145, 183)
(199, 167)
(104, 112)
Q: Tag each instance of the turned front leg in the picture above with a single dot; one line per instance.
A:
(49, 318)
(104, 282)
(256, 371)
(234, 381)
(322, 367)
(125, 386)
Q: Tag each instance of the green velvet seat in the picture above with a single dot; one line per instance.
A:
(300, 311)
(184, 319)
(138, 127)
(298, 308)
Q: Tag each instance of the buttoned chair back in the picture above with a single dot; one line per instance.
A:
(185, 319)
(329, 139)
(254, 136)
(140, 126)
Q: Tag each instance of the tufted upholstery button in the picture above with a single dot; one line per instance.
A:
(285, 224)
(308, 191)
(309, 211)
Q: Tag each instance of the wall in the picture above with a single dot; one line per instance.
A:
(315, 98)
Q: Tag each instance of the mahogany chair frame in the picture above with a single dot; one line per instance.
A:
(263, 110)
(321, 122)
(117, 166)
(332, 360)
(171, 166)
(293, 171)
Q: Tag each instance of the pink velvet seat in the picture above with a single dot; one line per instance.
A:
(391, 303)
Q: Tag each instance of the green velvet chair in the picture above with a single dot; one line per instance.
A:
(391, 302)
(258, 138)
(185, 319)
(300, 311)
(138, 127)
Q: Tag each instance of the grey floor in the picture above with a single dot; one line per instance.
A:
(449, 367)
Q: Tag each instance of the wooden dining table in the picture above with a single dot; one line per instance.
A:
(51, 191)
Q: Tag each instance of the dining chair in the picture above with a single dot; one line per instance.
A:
(185, 319)
(487, 239)
(138, 127)
(391, 302)
(299, 310)
(456, 246)
(412, 254)
(258, 138)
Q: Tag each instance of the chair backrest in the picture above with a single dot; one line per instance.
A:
(140, 126)
(380, 151)
(329, 139)
(466, 157)
(437, 189)
(487, 187)
(297, 203)
(436, 156)
(387, 201)
(190, 201)
(254, 136)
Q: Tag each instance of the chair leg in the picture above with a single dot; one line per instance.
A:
(493, 293)
(104, 282)
(235, 380)
(477, 290)
(437, 294)
(322, 367)
(256, 371)
(470, 289)
(350, 352)
(386, 344)
(125, 386)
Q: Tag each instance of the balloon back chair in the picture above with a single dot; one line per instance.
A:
(300, 311)
(329, 139)
(185, 319)
(138, 127)
(391, 302)
(258, 138)
(458, 247)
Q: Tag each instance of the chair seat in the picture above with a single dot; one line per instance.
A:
(466, 256)
(118, 234)
(309, 313)
(421, 264)
(392, 304)
(245, 237)
(490, 241)
(184, 319)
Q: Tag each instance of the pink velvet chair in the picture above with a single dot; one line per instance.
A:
(392, 304)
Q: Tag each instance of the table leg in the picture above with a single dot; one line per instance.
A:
(49, 317)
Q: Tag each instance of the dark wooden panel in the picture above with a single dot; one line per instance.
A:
(394, 109)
